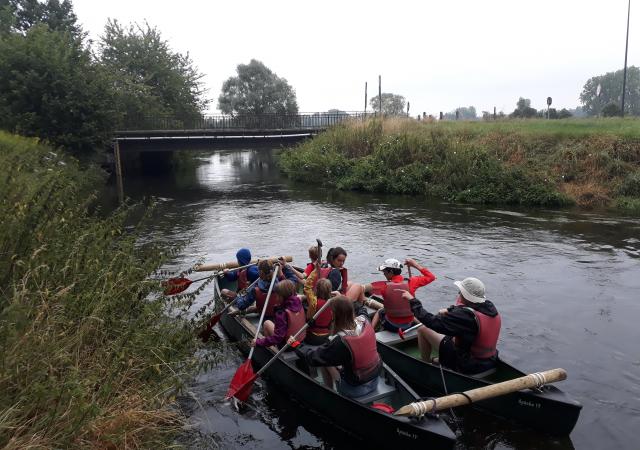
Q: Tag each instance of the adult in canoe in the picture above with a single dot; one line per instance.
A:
(353, 347)
(466, 334)
(396, 313)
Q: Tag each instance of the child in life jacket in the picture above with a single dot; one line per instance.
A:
(353, 347)
(318, 331)
(311, 265)
(289, 317)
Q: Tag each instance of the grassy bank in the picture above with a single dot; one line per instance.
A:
(591, 163)
(89, 357)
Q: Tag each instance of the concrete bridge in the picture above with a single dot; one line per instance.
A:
(168, 133)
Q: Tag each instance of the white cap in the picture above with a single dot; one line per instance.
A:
(472, 290)
(390, 264)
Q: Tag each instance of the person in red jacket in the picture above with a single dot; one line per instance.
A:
(289, 317)
(396, 313)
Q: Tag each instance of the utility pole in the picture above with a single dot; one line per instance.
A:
(408, 106)
(626, 49)
(380, 93)
(365, 98)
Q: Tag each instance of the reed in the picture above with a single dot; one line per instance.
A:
(521, 162)
(90, 357)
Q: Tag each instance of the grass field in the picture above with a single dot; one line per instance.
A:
(588, 162)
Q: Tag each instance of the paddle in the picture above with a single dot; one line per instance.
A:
(206, 333)
(402, 332)
(241, 392)
(176, 285)
(245, 371)
(531, 381)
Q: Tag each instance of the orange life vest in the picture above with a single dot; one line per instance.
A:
(396, 308)
(295, 321)
(322, 323)
(274, 301)
(324, 273)
(243, 281)
(484, 346)
(365, 361)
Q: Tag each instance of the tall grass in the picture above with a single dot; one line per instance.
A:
(89, 356)
(526, 162)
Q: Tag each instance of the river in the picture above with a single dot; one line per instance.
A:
(567, 284)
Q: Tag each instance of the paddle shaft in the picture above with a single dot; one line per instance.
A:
(286, 346)
(235, 265)
(264, 309)
(534, 380)
(214, 319)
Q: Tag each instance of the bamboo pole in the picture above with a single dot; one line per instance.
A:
(119, 182)
(234, 264)
(534, 380)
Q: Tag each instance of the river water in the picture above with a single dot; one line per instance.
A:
(567, 284)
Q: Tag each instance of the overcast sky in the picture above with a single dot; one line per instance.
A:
(438, 54)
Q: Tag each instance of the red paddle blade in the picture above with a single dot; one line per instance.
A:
(242, 382)
(176, 285)
(206, 333)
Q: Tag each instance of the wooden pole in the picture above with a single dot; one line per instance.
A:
(534, 380)
(119, 182)
(234, 264)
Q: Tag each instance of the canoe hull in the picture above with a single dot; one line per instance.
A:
(346, 414)
(550, 410)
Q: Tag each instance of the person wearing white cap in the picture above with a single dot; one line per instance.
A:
(396, 313)
(465, 334)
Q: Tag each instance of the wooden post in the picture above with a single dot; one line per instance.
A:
(380, 93)
(408, 106)
(119, 182)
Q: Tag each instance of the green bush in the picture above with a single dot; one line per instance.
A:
(630, 185)
(89, 356)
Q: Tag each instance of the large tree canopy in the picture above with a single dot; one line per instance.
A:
(149, 78)
(51, 88)
(20, 15)
(392, 104)
(606, 89)
(257, 90)
(523, 109)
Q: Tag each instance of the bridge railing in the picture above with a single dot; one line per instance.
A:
(243, 121)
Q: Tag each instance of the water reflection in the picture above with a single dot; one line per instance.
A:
(565, 282)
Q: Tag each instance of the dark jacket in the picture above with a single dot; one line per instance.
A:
(459, 322)
(333, 353)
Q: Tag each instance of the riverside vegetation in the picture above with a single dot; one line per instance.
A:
(587, 162)
(90, 356)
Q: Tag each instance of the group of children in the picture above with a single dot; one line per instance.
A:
(341, 339)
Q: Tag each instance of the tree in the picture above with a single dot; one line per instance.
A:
(524, 109)
(392, 104)
(149, 79)
(464, 113)
(601, 90)
(21, 15)
(610, 110)
(257, 90)
(51, 88)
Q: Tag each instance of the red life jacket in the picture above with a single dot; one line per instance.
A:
(396, 308)
(324, 273)
(365, 361)
(274, 301)
(485, 343)
(295, 321)
(243, 281)
(322, 323)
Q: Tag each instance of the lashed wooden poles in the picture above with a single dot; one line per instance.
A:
(534, 380)
(235, 265)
